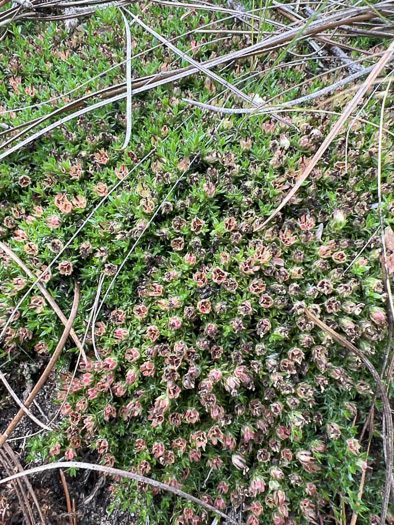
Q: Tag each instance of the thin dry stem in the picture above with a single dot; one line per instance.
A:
(354, 518)
(68, 500)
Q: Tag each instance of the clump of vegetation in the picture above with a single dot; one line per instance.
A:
(203, 369)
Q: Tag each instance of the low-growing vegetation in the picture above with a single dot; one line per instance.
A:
(195, 359)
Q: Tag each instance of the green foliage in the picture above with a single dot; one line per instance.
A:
(210, 376)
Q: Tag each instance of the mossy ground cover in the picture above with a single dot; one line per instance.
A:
(203, 370)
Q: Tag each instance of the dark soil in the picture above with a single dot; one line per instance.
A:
(88, 489)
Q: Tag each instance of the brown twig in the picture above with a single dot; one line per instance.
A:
(385, 269)
(68, 501)
(11, 427)
(123, 474)
(45, 293)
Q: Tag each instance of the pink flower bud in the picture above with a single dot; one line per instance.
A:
(131, 377)
(55, 450)
(257, 486)
(239, 461)
(252, 520)
(277, 473)
(69, 455)
(223, 487)
(152, 333)
(158, 450)
(131, 355)
(353, 446)
(220, 503)
(215, 375)
(121, 334)
(110, 363)
(174, 323)
(378, 316)
(190, 258)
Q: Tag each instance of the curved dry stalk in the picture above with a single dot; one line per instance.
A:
(354, 517)
(314, 110)
(48, 369)
(124, 474)
(361, 251)
(388, 421)
(386, 272)
(91, 320)
(45, 293)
